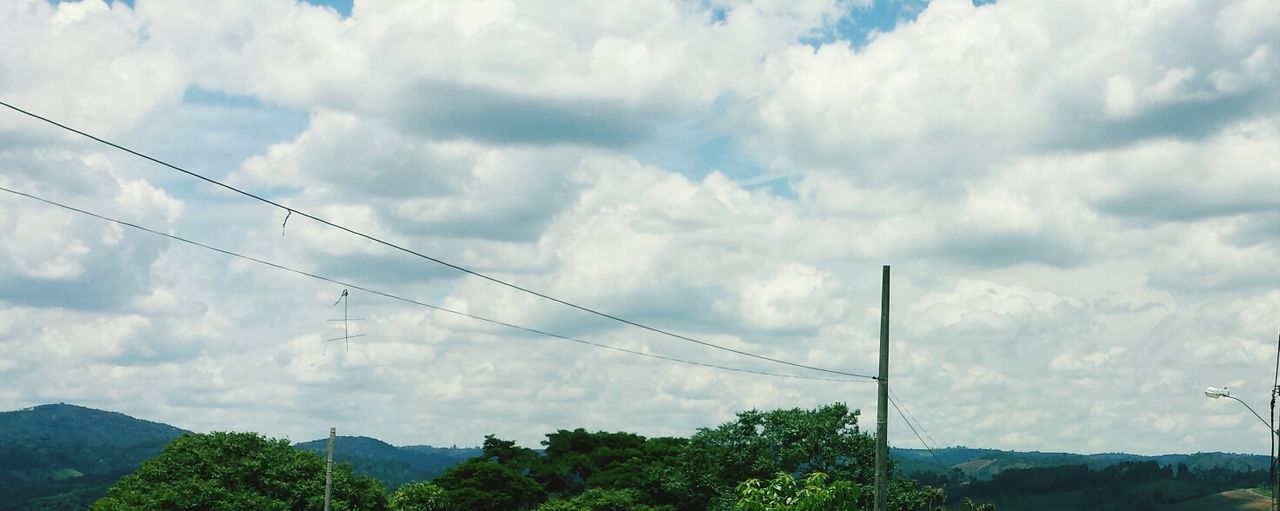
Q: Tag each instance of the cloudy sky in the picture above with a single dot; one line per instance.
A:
(1080, 201)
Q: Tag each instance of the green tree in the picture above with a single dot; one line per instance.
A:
(573, 460)
(786, 493)
(508, 454)
(483, 485)
(578, 460)
(420, 496)
(238, 471)
(598, 499)
(759, 445)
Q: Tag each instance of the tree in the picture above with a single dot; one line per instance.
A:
(573, 460)
(508, 454)
(786, 493)
(597, 499)
(420, 496)
(238, 471)
(759, 445)
(483, 485)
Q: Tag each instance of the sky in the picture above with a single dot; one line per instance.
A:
(1079, 200)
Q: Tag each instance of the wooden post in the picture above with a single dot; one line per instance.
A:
(328, 473)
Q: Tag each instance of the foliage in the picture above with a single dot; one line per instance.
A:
(759, 445)
(577, 467)
(597, 499)
(1123, 486)
(508, 454)
(481, 485)
(238, 471)
(421, 496)
(786, 493)
(576, 461)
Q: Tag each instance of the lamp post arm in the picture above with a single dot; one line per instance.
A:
(1255, 414)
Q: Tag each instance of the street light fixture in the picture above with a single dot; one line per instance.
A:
(1215, 393)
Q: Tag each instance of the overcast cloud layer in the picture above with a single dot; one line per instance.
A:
(1080, 201)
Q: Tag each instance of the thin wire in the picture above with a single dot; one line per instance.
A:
(913, 417)
(430, 258)
(416, 302)
(913, 430)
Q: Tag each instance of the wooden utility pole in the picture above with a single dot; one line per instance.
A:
(328, 473)
(882, 401)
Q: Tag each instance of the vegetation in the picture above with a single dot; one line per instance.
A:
(62, 457)
(597, 499)
(420, 496)
(984, 464)
(582, 470)
(785, 492)
(1124, 486)
(238, 471)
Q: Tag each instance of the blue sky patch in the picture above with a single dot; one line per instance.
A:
(857, 25)
(342, 6)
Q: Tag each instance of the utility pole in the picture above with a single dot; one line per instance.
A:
(1275, 455)
(328, 473)
(882, 401)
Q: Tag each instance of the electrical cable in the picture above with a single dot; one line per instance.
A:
(894, 402)
(427, 257)
(912, 417)
(419, 303)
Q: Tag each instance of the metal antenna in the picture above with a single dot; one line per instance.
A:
(345, 299)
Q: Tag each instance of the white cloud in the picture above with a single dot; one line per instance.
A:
(1077, 200)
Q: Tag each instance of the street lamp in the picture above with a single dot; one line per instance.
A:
(1215, 393)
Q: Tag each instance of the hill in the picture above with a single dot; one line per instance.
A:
(62, 456)
(392, 465)
(983, 464)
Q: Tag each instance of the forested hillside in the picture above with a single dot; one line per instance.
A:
(62, 456)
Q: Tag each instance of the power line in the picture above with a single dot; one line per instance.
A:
(427, 257)
(912, 416)
(419, 303)
(894, 402)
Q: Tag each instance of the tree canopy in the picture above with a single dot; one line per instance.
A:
(420, 496)
(238, 471)
(483, 485)
(759, 445)
(602, 470)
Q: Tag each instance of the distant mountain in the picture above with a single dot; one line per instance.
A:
(392, 465)
(65, 456)
(62, 456)
(983, 464)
